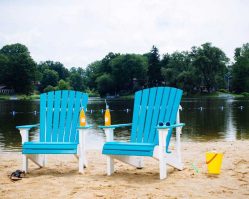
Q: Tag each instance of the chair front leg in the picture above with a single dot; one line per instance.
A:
(178, 144)
(25, 138)
(161, 153)
(109, 159)
(81, 150)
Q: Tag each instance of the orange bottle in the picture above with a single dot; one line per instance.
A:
(107, 116)
(82, 118)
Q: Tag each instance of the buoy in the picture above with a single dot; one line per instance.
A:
(107, 115)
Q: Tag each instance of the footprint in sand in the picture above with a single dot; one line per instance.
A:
(242, 166)
(75, 190)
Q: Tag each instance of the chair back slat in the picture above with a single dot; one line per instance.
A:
(75, 117)
(59, 115)
(154, 121)
(142, 114)
(136, 110)
(63, 112)
(57, 102)
(43, 105)
(49, 117)
(167, 106)
(70, 107)
(151, 106)
(174, 111)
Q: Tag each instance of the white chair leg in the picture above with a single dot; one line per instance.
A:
(110, 165)
(140, 163)
(82, 150)
(81, 163)
(85, 160)
(25, 163)
(44, 160)
(162, 166)
(161, 153)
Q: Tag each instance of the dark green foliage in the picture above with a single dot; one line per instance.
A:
(126, 73)
(62, 85)
(92, 73)
(128, 69)
(177, 71)
(105, 85)
(50, 78)
(17, 68)
(210, 66)
(240, 69)
(49, 88)
(203, 69)
(77, 79)
(154, 67)
(63, 72)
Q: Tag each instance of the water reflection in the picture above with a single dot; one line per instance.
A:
(230, 127)
(206, 119)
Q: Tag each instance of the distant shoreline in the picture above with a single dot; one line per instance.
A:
(125, 97)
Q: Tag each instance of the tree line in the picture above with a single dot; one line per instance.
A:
(204, 68)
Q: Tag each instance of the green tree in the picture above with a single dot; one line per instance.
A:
(105, 66)
(92, 73)
(76, 81)
(172, 67)
(129, 68)
(3, 68)
(105, 84)
(210, 64)
(154, 67)
(50, 78)
(240, 69)
(63, 85)
(63, 72)
(19, 70)
(78, 78)
(49, 88)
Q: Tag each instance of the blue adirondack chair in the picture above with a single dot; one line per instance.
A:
(59, 130)
(151, 107)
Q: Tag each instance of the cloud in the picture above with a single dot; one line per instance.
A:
(78, 32)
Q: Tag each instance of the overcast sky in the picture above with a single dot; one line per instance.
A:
(78, 32)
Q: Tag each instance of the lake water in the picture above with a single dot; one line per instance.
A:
(206, 119)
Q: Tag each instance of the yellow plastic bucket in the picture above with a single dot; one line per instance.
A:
(214, 162)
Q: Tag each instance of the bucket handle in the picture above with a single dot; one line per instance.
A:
(209, 161)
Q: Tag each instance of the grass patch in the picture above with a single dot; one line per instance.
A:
(4, 97)
(127, 97)
(28, 97)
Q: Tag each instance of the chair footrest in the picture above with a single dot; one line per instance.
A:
(128, 148)
(49, 148)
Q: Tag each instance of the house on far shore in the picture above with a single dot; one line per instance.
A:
(5, 90)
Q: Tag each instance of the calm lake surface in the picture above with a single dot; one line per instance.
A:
(206, 119)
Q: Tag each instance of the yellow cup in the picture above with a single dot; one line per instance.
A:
(214, 162)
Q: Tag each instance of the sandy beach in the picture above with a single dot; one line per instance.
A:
(60, 178)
